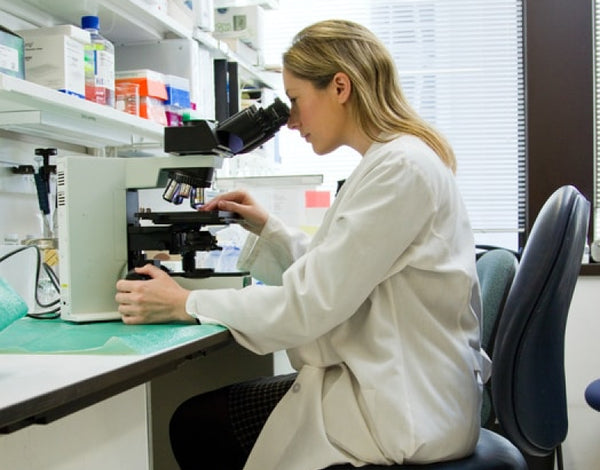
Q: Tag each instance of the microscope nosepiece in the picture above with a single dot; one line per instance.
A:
(188, 184)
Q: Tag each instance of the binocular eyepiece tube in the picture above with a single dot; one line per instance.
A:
(240, 133)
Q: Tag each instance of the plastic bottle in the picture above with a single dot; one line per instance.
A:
(99, 65)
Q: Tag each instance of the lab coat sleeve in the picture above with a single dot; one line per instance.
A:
(372, 231)
(267, 256)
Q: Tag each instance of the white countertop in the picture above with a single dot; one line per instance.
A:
(39, 388)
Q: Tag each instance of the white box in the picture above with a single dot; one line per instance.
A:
(204, 11)
(244, 23)
(74, 32)
(181, 12)
(54, 57)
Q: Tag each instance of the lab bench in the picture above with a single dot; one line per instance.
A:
(93, 410)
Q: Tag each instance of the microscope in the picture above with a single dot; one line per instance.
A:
(104, 233)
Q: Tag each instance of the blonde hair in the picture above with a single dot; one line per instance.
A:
(323, 49)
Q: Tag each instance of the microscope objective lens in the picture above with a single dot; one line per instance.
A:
(197, 197)
(184, 190)
(170, 190)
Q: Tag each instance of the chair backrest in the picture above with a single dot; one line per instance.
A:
(528, 377)
(496, 269)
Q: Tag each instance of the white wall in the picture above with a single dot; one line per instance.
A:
(582, 363)
(19, 210)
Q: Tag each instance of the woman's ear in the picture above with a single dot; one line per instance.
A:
(342, 86)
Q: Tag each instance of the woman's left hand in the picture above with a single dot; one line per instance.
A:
(156, 300)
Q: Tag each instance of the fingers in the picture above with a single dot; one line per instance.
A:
(209, 206)
(134, 318)
(131, 320)
(239, 201)
(129, 317)
(151, 270)
(132, 306)
(232, 206)
(224, 201)
(127, 285)
(216, 203)
(157, 300)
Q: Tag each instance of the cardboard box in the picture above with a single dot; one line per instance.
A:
(12, 58)
(54, 57)
(244, 23)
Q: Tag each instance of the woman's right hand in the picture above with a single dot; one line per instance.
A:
(240, 202)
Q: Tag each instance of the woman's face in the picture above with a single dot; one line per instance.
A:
(318, 115)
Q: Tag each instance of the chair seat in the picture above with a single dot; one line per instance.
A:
(592, 394)
(493, 452)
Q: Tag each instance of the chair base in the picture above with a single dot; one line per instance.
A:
(493, 452)
(592, 394)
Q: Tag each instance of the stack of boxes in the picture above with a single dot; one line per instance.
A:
(178, 99)
(152, 92)
(162, 98)
(54, 57)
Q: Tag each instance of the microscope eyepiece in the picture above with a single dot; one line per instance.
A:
(274, 116)
(252, 127)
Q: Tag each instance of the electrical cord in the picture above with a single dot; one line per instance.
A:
(55, 283)
(53, 313)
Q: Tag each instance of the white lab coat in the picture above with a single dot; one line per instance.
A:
(379, 314)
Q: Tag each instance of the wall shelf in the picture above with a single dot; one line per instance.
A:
(126, 22)
(121, 21)
(32, 109)
(267, 4)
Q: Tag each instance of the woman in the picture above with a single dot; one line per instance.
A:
(379, 312)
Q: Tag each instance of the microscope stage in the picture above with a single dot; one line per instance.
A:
(191, 217)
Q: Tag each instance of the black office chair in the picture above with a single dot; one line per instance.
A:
(592, 394)
(528, 385)
(528, 378)
(496, 269)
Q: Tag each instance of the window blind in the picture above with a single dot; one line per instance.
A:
(596, 228)
(461, 67)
